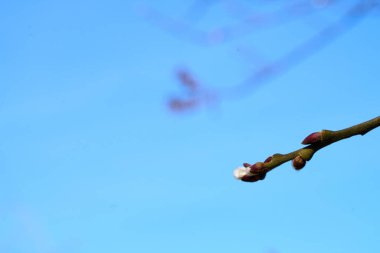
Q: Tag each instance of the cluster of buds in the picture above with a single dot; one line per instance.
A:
(299, 162)
(251, 173)
(257, 171)
(315, 142)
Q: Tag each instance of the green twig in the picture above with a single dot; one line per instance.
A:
(315, 142)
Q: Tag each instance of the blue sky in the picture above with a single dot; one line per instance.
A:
(92, 160)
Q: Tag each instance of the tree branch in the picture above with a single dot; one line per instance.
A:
(315, 142)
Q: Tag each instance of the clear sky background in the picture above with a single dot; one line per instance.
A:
(92, 159)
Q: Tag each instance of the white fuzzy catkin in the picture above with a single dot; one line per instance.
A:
(241, 172)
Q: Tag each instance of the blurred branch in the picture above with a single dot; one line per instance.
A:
(246, 24)
(280, 12)
(194, 94)
(300, 52)
(315, 142)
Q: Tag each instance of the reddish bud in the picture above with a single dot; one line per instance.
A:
(250, 179)
(312, 138)
(246, 165)
(298, 163)
(253, 178)
(262, 176)
(268, 159)
(257, 168)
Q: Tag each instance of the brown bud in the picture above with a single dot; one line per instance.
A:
(246, 165)
(253, 178)
(262, 176)
(250, 179)
(257, 168)
(298, 163)
(312, 138)
(268, 159)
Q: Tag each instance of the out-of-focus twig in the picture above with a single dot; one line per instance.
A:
(250, 21)
(247, 24)
(299, 53)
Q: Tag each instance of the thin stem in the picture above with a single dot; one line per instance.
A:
(317, 141)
